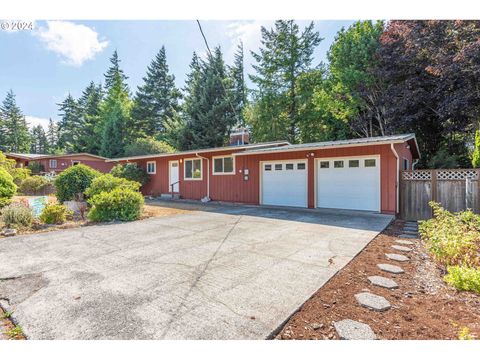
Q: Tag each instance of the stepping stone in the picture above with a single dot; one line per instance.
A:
(372, 301)
(405, 242)
(383, 282)
(353, 330)
(410, 227)
(410, 232)
(397, 257)
(391, 268)
(401, 248)
(408, 236)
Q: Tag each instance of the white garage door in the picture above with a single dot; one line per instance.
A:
(284, 183)
(349, 183)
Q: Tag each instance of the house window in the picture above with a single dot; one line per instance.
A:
(278, 166)
(223, 165)
(289, 167)
(75, 163)
(301, 166)
(268, 167)
(324, 164)
(151, 167)
(353, 163)
(53, 164)
(338, 164)
(405, 164)
(193, 169)
(370, 162)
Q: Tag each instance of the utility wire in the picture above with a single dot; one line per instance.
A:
(221, 82)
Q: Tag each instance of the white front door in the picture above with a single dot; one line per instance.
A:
(284, 183)
(173, 176)
(349, 183)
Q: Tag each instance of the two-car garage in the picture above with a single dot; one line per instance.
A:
(341, 183)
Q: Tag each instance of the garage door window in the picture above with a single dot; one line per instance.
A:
(268, 167)
(301, 166)
(338, 164)
(278, 166)
(289, 167)
(353, 163)
(370, 163)
(324, 164)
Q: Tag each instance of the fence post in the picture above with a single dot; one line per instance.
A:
(468, 193)
(434, 188)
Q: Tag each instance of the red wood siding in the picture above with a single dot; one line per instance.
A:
(234, 188)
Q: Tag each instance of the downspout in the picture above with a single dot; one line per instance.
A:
(396, 178)
(415, 163)
(208, 176)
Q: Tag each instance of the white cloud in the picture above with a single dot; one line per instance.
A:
(248, 32)
(75, 43)
(34, 121)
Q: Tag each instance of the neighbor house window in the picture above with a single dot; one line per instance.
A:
(405, 164)
(338, 164)
(75, 162)
(151, 167)
(53, 164)
(193, 169)
(370, 162)
(353, 163)
(223, 165)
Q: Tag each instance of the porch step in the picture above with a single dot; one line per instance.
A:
(167, 196)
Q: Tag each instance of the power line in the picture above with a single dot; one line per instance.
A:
(221, 82)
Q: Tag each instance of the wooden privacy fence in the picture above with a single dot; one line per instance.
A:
(455, 189)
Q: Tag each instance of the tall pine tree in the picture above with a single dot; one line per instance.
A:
(69, 125)
(113, 71)
(286, 53)
(52, 136)
(14, 134)
(208, 109)
(239, 88)
(39, 140)
(89, 104)
(156, 101)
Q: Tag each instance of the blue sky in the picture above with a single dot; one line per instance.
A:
(43, 65)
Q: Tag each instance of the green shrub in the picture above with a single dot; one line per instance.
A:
(463, 278)
(35, 185)
(17, 215)
(131, 172)
(10, 165)
(108, 182)
(146, 146)
(118, 204)
(35, 167)
(452, 239)
(54, 214)
(72, 182)
(7, 188)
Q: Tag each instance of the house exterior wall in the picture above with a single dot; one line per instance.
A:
(234, 188)
(65, 162)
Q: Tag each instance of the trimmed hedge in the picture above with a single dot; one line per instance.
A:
(108, 182)
(72, 182)
(36, 185)
(7, 188)
(118, 204)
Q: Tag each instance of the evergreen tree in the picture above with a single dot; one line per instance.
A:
(39, 140)
(14, 134)
(157, 99)
(69, 125)
(113, 70)
(209, 113)
(286, 53)
(239, 88)
(52, 136)
(89, 103)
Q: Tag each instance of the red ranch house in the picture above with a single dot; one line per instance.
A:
(58, 163)
(357, 174)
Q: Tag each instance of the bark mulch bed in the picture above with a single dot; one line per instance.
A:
(423, 307)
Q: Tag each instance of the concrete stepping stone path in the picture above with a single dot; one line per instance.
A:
(408, 236)
(353, 330)
(397, 257)
(391, 268)
(372, 301)
(405, 242)
(383, 282)
(401, 248)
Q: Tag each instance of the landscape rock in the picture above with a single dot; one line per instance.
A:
(9, 232)
(353, 330)
(408, 236)
(372, 301)
(405, 242)
(316, 326)
(401, 248)
(391, 268)
(397, 257)
(383, 282)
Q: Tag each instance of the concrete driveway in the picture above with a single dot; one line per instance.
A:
(227, 272)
